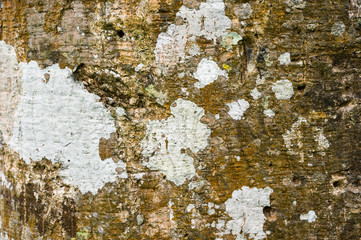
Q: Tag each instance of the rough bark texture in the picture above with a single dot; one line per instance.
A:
(170, 119)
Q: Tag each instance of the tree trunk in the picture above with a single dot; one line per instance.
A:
(169, 119)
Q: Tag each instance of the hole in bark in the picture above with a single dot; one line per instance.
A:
(120, 33)
(270, 213)
(337, 184)
(301, 87)
(297, 180)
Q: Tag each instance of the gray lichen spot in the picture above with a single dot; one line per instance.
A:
(338, 28)
(283, 89)
(296, 4)
(285, 59)
(243, 11)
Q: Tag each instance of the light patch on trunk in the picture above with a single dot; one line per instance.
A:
(237, 109)
(256, 94)
(4, 182)
(285, 59)
(338, 28)
(246, 210)
(283, 89)
(56, 118)
(209, 22)
(167, 140)
(269, 113)
(10, 88)
(309, 217)
(207, 72)
(230, 40)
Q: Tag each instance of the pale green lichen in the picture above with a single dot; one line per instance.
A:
(83, 234)
(160, 97)
(230, 40)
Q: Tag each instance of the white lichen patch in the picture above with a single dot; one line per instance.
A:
(211, 210)
(57, 119)
(10, 87)
(285, 59)
(166, 141)
(338, 28)
(209, 22)
(207, 72)
(237, 109)
(283, 89)
(309, 217)
(120, 112)
(269, 113)
(246, 210)
(255, 94)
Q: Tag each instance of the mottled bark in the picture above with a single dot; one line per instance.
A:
(170, 119)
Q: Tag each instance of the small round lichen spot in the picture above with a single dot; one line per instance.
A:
(283, 89)
(255, 94)
(309, 217)
(237, 109)
(269, 113)
(207, 72)
(285, 59)
(338, 28)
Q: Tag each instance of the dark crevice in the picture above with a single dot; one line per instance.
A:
(120, 33)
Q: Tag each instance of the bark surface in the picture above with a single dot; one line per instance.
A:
(170, 119)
